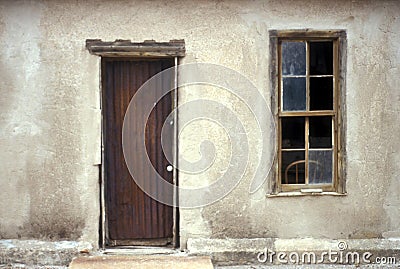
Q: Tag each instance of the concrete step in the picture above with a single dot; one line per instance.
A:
(142, 262)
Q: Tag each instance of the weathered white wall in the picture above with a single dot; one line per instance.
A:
(49, 126)
(50, 120)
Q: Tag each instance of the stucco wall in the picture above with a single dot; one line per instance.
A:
(50, 116)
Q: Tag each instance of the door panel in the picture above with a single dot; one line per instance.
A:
(132, 216)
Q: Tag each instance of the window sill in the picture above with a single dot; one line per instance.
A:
(299, 193)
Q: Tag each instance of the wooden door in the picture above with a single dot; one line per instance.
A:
(132, 217)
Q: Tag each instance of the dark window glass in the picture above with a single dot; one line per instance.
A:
(293, 132)
(294, 94)
(321, 58)
(293, 58)
(320, 132)
(321, 93)
(293, 167)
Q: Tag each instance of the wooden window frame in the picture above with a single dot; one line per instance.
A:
(338, 37)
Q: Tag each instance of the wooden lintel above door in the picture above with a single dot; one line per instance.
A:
(126, 48)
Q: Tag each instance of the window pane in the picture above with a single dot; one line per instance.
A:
(320, 132)
(320, 166)
(321, 93)
(294, 94)
(321, 58)
(293, 132)
(293, 58)
(293, 167)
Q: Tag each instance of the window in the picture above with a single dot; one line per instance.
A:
(307, 74)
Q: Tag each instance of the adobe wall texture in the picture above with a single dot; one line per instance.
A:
(50, 114)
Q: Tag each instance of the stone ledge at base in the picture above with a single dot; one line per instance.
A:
(245, 251)
(141, 262)
(41, 253)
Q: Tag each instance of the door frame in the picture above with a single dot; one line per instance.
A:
(145, 50)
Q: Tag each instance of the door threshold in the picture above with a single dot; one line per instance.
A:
(152, 242)
(141, 250)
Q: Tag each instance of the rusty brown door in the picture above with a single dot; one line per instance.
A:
(132, 217)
